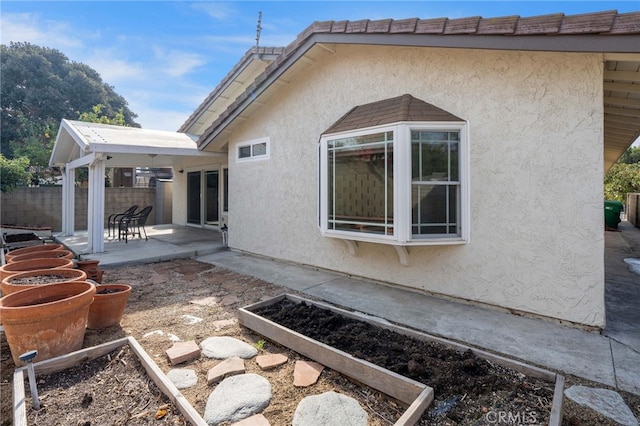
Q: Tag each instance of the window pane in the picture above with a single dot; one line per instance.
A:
(434, 156)
(360, 179)
(434, 209)
(244, 151)
(260, 149)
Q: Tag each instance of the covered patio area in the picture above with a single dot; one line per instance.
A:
(166, 242)
(99, 146)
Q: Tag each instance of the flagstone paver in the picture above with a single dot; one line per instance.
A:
(226, 368)
(255, 420)
(306, 373)
(183, 351)
(269, 361)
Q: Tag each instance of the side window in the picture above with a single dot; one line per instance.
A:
(253, 150)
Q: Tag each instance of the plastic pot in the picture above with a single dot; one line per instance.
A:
(51, 319)
(32, 249)
(44, 254)
(39, 278)
(34, 264)
(108, 305)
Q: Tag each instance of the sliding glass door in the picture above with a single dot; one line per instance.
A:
(203, 197)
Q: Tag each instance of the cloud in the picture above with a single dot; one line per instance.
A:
(30, 27)
(217, 10)
(178, 63)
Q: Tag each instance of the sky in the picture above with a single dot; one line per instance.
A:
(165, 57)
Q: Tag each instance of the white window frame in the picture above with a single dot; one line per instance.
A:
(402, 233)
(252, 144)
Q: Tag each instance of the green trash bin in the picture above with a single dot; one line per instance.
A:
(612, 210)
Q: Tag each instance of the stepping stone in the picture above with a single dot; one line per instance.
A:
(229, 300)
(607, 402)
(182, 377)
(228, 367)
(237, 398)
(329, 408)
(207, 301)
(270, 361)
(220, 324)
(306, 373)
(183, 351)
(255, 420)
(190, 319)
(224, 347)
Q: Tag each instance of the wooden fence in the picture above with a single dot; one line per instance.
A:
(632, 209)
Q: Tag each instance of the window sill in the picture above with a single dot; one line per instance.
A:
(351, 240)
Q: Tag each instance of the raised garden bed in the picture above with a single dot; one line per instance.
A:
(138, 403)
(511, 388)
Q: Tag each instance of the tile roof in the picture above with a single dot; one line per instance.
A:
(393, 110)
(547, 32)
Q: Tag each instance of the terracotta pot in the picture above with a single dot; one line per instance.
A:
(32, 249)
(10, 284)
(91, 268)
(108, 305)
(50, 318)
(45, 254)
(33, 264)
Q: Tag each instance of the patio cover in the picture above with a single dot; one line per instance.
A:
(98, 146)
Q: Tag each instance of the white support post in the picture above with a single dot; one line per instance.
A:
(95, 219)
(68, 200)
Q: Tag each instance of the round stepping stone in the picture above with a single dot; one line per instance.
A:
(226, 347)
(183, 378)
(329, 408)
(604, 401)
(236, 398)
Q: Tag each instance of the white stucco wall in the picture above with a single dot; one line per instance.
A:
(535, 123)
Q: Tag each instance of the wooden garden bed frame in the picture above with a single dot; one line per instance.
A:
(72, 359)
(416, 395)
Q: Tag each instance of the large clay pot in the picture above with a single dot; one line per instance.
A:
(45, 254)
(36, 278)
(51, 319)
(34, 264)
(91, 268)
(32, 249)
(108, 305)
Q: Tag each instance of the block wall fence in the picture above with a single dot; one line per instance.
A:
(42, 206)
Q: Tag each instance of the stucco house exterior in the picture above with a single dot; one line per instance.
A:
(458, 157)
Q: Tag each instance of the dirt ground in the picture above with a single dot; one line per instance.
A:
(166, 303)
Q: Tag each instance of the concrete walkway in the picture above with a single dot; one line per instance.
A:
(611, 358)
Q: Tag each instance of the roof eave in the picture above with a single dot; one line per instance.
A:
(597, 43)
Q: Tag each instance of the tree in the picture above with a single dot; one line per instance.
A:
(620, 180)
(631, 156)
(96, 116)
(13, 173)
(40, 86)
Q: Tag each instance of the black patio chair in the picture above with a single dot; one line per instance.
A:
(114, 219)
(129, 224)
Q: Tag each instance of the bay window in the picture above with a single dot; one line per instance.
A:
(403, 184)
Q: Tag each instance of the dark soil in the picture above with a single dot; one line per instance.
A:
(466, 387)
